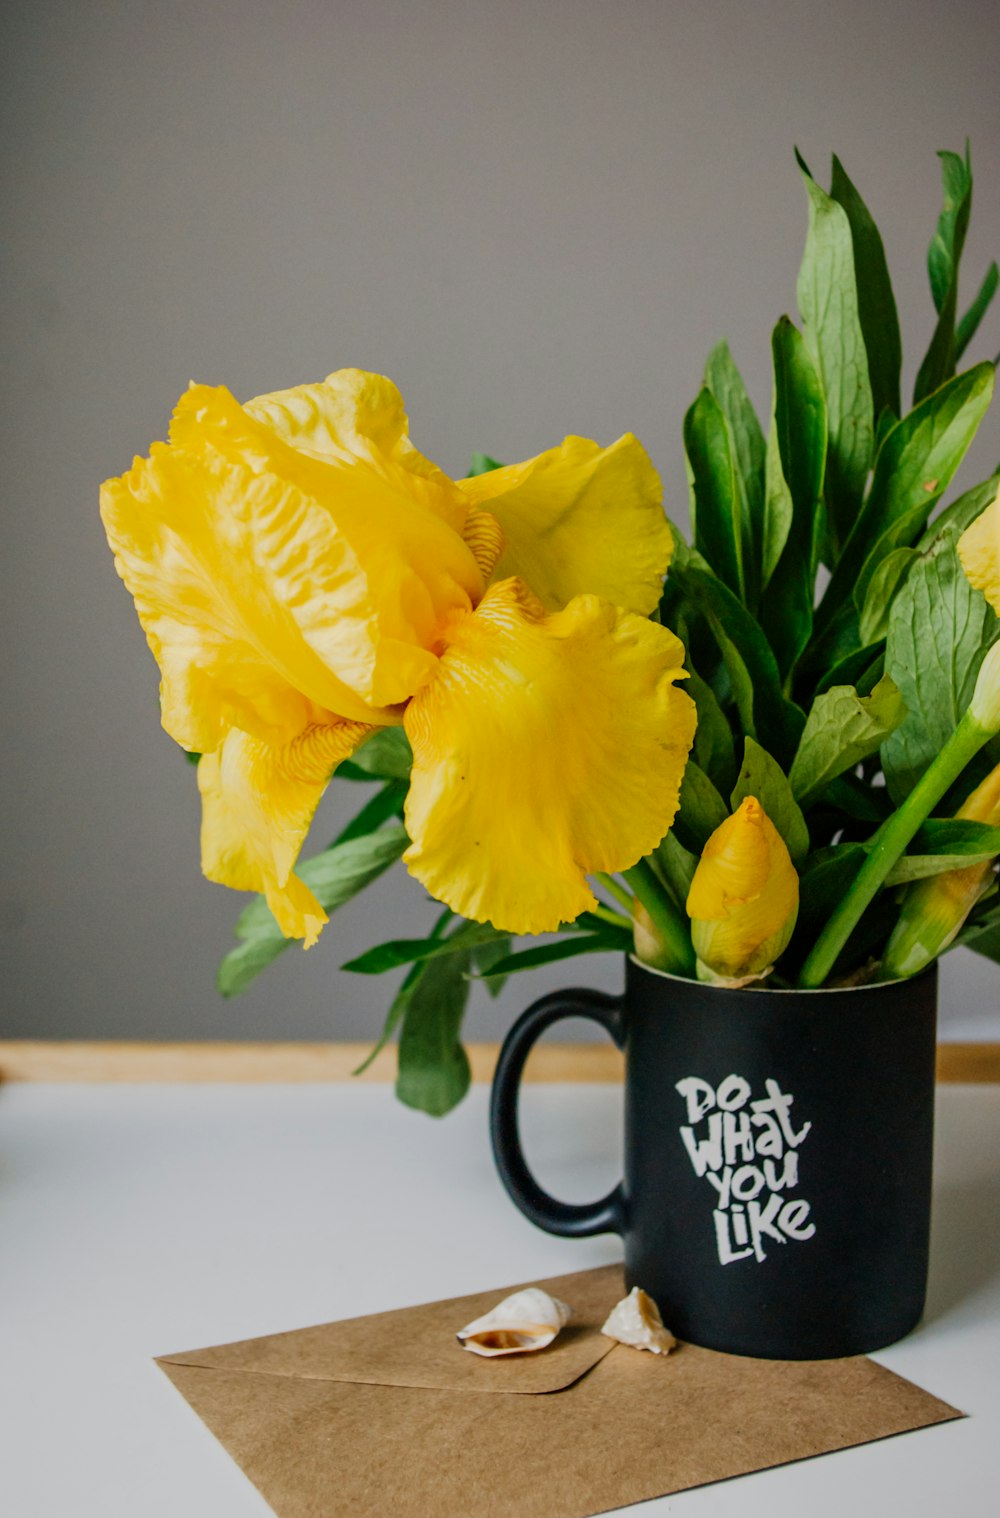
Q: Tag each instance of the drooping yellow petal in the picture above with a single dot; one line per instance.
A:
(257, 804)
(581, 520)
(546, 748)
(979, 551)
(744, 897)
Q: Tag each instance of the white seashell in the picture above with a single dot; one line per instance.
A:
(636, 1321)
(527, 1320)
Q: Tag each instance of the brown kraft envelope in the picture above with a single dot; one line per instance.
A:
(387, 1414)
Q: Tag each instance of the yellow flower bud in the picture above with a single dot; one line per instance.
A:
(744, 898)
(934, 910)
(985, 703)
(979, 551)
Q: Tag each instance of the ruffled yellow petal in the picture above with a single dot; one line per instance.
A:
(979, 551)
(257, 804)
(744, 897)
(581, 519)
(370, 587)
(546, 748)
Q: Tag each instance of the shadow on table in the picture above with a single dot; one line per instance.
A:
(965, 1243)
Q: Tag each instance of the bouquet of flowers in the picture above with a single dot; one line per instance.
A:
(769, 755)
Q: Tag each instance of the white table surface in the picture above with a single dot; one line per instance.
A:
(140, 1220)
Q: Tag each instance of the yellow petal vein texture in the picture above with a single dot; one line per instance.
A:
(744, 896)
(579, 520)
(257, 804)
(979, 551)
(548, 747)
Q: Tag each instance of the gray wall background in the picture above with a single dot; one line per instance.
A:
(535, 215)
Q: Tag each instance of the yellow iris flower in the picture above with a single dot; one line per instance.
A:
(744, 898)
(304, 576)
(979, 551)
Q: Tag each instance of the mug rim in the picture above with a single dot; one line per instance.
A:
(704, 985)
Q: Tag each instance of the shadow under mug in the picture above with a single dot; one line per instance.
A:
(778, 1153)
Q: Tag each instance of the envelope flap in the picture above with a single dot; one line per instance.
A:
(416, 1346)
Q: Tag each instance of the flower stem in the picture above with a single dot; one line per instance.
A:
(608, 914)
(677, 951)
(617, 890)
(890, 843)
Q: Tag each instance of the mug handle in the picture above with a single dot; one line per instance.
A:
(569, 1219)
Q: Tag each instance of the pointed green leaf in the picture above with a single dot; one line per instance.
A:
(963, 512)
(969, 325)
(701, 808)
(939, 630)
(400, 1000)
(944, 844)
(713, 738)
(882, 588)
(725, 382)
(863, 669)
(842, 728)
(913, 470)
(406, 951)
(677, 866)
(434, 1074)
(763, 777)
(386, 803)
(876, 302)
(386, 755)
(943, 258)
(481, 463)
(796, 456)
(715, 503)
(828, 302)
(610, 941)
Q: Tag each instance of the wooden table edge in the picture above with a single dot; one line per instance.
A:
(99, 1061)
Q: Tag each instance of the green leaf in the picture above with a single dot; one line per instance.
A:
(333, 876)
(796, 459)
(485, 956)
(828, 301)
(913, 470)
(763, 777)
(969, 325)
(939, 631)
(715, 502)
(611, 941)
(713, 738)
(963, 512)
(481, 463)
(857, 799)
(701, 809)
(843, 728)
(828, 874)
(386, 803)
(873, 622)
(433, 1073)
(944, 844)
(406, 951)
(725, 382)
(943, 258)
(765, 712)
(876, 303)
(982, 935)
(863, 669)
(386, 755)
(400, 1000)
(677, 866)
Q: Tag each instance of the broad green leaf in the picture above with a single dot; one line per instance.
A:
(386, 803)
(943, 258)
(828, 301)
(939, 630)
(969, 325)
(612, 941)
(333, 876)
(715, 502)
(399, 1002)
(963, 512)
(863, 669)
(763, 777)
(481, 463)
(765, 711)
(713, 739)
(827, 875)
(842, 728)
(857, 799)
(944, 844)
(796, 459)
(677, 866)
(386, 755)
(873, 620)
(485, 955)
(725, 382)
(433, 1073)
(876, 303)
(913, 470)
(701, 809)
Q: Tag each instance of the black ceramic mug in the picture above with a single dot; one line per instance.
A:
(778, 1148)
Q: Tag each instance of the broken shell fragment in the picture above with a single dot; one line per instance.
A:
(527, 1320)
(636, 1321)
